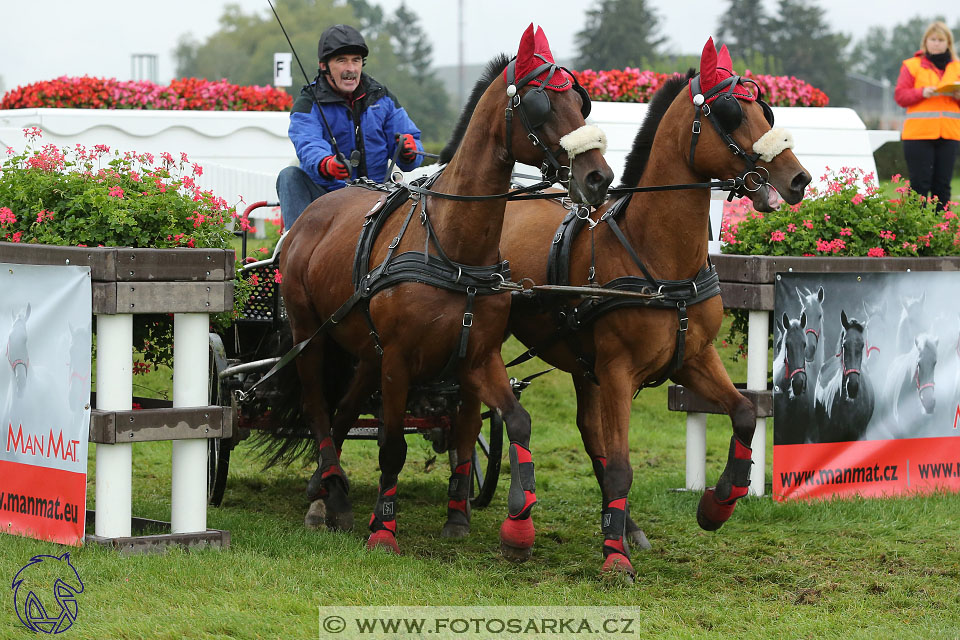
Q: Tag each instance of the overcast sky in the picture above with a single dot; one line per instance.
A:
(44, 39)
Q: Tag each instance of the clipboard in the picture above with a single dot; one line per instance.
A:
(948, 89)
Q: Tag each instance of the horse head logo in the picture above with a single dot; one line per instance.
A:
(32, 587)
(17, 357)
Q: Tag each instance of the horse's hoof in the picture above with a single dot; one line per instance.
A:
(516, 539)
(339, 520)
(637, 540)
(711, 514)
(383, 539)
(455, 530)
(515, 554)
(316, 515)
(619, 563)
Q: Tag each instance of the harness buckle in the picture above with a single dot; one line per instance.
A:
(468, 319)
(696, 126)
(683, 324)
(557, 238)
(395, 242)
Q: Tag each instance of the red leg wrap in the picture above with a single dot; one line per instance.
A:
(383, 539)
(519, 534)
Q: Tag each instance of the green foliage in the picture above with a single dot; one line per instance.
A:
(796, 39)
(808, 49)
(400, 53)
(95, 197)
(619, 34)
(746, 29)
(847, 219)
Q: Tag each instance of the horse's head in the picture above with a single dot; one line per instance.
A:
(851, 353)
(812, 303)
(793, 346)
(923, 376)
(545, 121)
(16, 351)
(739, 141)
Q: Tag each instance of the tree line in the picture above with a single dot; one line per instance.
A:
(793, 39)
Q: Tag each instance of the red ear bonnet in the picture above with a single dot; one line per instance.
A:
(534, 50)
(715, 68)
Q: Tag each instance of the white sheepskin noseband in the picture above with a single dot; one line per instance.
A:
(770, 144)
(581, 140)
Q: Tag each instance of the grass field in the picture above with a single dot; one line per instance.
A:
(847, 568)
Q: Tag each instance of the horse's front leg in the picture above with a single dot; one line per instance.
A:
(517, 533)
(467, 425)
(706, 375)
(616, 391)
(395, 381)
(590, 424)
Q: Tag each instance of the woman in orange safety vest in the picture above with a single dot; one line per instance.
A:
(931, 130)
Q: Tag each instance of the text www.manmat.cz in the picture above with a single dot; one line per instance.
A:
(889, 473)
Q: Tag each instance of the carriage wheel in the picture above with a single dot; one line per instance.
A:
(487, 454)
(218, 449)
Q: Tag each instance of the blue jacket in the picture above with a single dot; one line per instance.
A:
(380, 118)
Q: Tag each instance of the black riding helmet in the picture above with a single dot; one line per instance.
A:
(341, 38)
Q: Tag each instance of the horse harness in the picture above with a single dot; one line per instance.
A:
(426, 267)
(656, 294)
(726, 115)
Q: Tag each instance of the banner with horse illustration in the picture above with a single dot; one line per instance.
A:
(45, 329)
(866, 384)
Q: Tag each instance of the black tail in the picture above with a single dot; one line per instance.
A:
(288, 437)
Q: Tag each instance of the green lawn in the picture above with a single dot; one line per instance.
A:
(848, 568)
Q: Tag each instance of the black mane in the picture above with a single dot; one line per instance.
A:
(493, 69)
(640, 152)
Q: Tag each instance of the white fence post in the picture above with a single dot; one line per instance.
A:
(757, 350)
(696, 451)
(114, 392)
(188, 504)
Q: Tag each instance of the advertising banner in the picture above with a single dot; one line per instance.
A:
(45, 330)
(866, 384)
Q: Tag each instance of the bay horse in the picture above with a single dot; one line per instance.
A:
(844, 399)
(793, 389)
(447, 318)
(661, 236)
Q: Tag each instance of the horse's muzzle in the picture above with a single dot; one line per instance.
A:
(592, 188)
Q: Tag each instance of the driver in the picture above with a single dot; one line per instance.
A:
(368, 123)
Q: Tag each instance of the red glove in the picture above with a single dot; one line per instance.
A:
(408, 147)
(332, 168)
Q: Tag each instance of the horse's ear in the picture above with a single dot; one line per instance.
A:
(843, 319)
(803, 320)
(784, 323)
(708, 66)
(541, 46)
(27, 317)
(723, 59)
(820, 294)
(527, 46)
